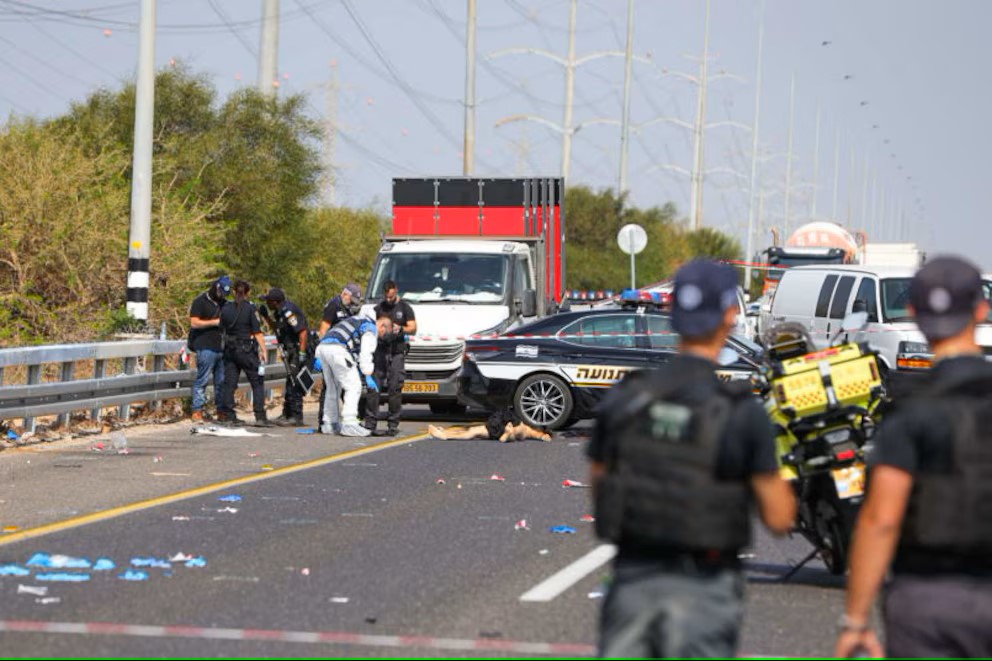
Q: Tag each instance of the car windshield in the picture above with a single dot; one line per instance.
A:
(895, 299)
(443, 277)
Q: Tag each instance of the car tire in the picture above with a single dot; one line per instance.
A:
(447, 408)
(543, 400)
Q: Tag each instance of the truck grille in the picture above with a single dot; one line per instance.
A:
(434, 375)
(435, 353)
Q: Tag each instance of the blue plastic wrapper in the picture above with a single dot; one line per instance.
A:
(232, 498)
(133, 575)
(62, 576)
(566, 530)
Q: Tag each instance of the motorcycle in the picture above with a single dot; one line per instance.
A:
(824, 405)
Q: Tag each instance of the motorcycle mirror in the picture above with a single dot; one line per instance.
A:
(855, 321)
(727, 356)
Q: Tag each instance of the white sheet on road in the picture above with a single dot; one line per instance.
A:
(223, 431)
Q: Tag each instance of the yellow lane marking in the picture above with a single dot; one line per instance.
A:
(103, 515)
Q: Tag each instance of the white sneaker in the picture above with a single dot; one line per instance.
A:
(354, 430)
(335, 428)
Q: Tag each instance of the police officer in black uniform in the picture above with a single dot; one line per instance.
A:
(344, 305)
(676, 458)
(390, 359)
(244, 351)
(928, 508)
(290, 326)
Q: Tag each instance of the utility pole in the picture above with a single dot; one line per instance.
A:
(833, 206)
(628, 60)
(864, 198)
(749, 242)
(696, 210)
(566, 122)
(330, 136)
(468, 145)
(268, 54)
(139, 236)
(816, 161)
(788, 155)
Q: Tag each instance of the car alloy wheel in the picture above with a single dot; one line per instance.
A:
(543, 400)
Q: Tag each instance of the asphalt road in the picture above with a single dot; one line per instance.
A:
(363, 554)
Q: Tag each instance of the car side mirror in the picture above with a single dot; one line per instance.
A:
(860, 305)
(528, 303)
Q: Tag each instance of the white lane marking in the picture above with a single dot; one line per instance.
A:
(554, 585)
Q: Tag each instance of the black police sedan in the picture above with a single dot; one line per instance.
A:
(553, 371)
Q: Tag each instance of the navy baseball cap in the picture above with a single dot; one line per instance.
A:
(355, 291)
(703, 291)
(224, 283)
(944, 294)
(274, 294)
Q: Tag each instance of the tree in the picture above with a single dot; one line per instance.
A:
(713, 244)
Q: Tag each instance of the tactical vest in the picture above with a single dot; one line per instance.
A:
(953, 511)
(349, 333)
(660, 489)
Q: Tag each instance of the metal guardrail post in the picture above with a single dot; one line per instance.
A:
(99, 368)
(130, 364)
(270, 357)
(34, 378)
(68, 367)
(158, 365)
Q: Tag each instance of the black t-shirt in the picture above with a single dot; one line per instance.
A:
(400, 313)
(290, 321)
(918, 438)
(747, 447)
(205, 307)
(335, 311)
(239, 321)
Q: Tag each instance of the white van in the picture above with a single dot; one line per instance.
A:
(818, 297)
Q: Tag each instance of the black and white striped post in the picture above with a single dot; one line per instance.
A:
(139, 239)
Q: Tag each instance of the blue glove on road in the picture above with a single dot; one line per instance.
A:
(370, 383)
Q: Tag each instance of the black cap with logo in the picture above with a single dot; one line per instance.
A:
(944, 294)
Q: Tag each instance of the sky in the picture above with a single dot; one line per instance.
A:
(900, 85)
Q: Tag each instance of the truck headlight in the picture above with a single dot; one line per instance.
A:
(914, 356)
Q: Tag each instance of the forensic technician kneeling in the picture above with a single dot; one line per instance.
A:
(677, 457)
(344, 351)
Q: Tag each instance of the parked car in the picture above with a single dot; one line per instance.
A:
(819, 297)
(553, 371)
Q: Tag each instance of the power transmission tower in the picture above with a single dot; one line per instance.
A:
(330, 136)
(468, 142)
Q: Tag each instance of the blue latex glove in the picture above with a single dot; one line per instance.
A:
(370, 383)
(316, 365)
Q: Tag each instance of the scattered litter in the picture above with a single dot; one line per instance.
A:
(180, 518)
(211, 430)
(440, 480)
(157, 459)
(746, 556)
(543, 552)
(497, 478)
(521, 525)
(97, 447)
(118, 440)
(266, 467)
(232, 498)
(48, 600)
(305, 430)
(124, 451)
(10, 529)
(57, 561)
(573, 484)
(305, 571)
(13, 570)
(227, 510)
(196, 563)
(339, 600)
(65, 576)
(368, 514)
(252, 454)
(133, 575)
(180, 557)
(587, 518)
(596, 594)
(564, 530)
(11, 435)
(156, 563)
(237, 579)
(103, 564)
(36, 590)
(573, 444)
(459, 485)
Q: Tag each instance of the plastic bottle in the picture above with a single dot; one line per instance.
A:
(261, 369)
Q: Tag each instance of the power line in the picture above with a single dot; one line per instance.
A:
(37, 59)
(230, 26)
(31, 80)
(82, 57)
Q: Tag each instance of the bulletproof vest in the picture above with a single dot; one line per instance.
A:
(660, 488)
(953, 511)
(349, 333)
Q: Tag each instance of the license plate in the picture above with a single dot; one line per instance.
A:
(419, 386)
(850, 481)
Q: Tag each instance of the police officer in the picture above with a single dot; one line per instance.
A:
(676, 458)
(339, 308)
(390, 359)
(205, 342)
(927, 509)
(290, 326)
(244, 351)
(346, 350)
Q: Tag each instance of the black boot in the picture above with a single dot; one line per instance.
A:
(261, 420)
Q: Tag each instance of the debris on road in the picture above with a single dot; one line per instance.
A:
(97, 447)
(227, 510)
(596, 594)
(57, 561)
(306, 430)
(64, 576)
(521, 525)
(149, 561)
(563, 530)
(339, 600)
(230, 498)
(180, 518)
(133, 575)
(180, 557)
(305, 571)
(440, 480)
(13, 569)
(48, 600)
(587, 518)
(103, 564)
(543, 552)
(266, 467)
(36, 590)
(196, 563)
(575, 484)
(496, 477)
(8, 529)
(212, 430)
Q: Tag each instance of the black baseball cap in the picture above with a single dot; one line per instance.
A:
(944, 294)
(703, 291)
(274, 294)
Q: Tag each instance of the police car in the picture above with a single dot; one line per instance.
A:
(553, 371)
